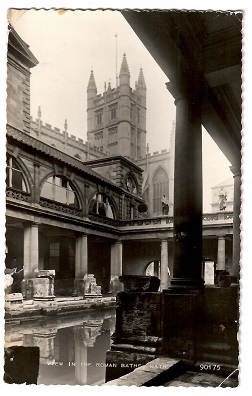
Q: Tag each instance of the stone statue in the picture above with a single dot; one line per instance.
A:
(165, 205)
(223, 200)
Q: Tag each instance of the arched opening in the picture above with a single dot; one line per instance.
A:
(60, 189)
(14, 175)
(101, 204)
(153, 269)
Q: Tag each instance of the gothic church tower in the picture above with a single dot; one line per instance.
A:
(116, 119)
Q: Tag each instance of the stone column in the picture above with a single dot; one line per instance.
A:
(164, 264)
(81, 262)
(36, 189)
(187, 183)
(156, 268)
(31, 253)
(236, 220)
(116, 267)
(221, 254)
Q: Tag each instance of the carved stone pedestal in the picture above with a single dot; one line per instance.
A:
(137, 337)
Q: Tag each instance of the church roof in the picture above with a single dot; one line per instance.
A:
(225, 183)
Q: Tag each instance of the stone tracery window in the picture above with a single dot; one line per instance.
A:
(59, 189)
(102, 205)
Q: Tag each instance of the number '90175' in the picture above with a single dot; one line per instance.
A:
(214, 367)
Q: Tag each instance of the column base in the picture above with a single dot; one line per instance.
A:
(181, 313)
(27, 288)
(186, 283)
(201, 324)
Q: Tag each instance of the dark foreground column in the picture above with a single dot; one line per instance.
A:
(236, 221)
(187, 188)
(182, 301)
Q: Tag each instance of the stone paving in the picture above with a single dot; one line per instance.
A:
(32, 308)
(168, 372)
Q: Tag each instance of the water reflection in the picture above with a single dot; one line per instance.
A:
(72, 349)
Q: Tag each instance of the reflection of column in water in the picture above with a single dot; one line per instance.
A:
(112, 322)
(84, 337)
(80, 355)
(45, 342)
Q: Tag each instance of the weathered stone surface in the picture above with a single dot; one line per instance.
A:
(180, 328)
(136, 283)
(43, 289)
(45, 273)
(153, 373)
(138, 314)
(122, 362)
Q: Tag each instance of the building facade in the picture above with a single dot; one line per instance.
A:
(73, 210)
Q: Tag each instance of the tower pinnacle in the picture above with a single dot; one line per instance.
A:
(91, 83)
(124, 66)
(141, 81)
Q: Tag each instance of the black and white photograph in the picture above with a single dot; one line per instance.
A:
(123, 188)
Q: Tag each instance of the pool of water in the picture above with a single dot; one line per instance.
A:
(72, 348)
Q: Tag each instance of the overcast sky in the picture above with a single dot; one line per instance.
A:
(68, 45)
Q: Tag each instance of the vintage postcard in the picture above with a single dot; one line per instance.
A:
(123, 197)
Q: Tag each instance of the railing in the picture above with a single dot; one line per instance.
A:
(104, 220)
(47, 203)
(147, 222)
(17, 194)
(156, 222)
(207, 218)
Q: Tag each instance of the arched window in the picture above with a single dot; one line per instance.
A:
(101, 205)
(14, 175)
(160, 188)
(59, 189)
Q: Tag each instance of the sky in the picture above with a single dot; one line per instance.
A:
(68, 45)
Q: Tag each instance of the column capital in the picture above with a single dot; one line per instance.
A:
(34, 224)
(236, 170)
(190, 86)
(221, 237)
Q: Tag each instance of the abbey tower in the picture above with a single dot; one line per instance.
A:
(116, 119)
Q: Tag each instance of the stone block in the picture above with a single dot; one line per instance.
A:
(181, 315)
(45, 274)
(13, 301)
(138, 314)
(91, 289)
(43, 289)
